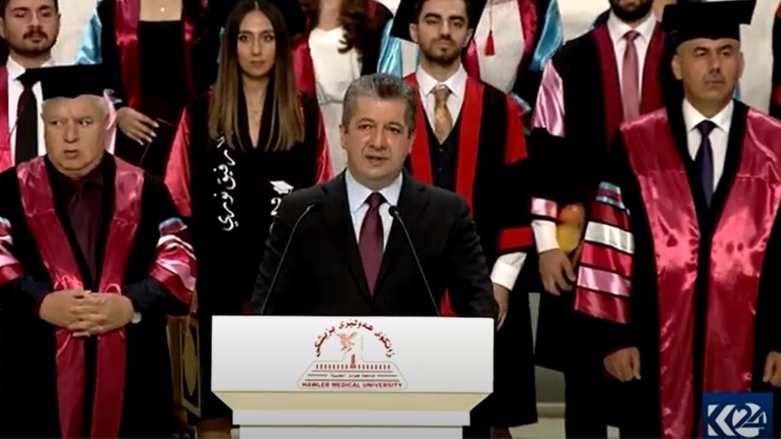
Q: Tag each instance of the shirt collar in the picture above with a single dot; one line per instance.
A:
(15, 70)
(456, 83)
(618, 28)
(358, 193)
(722, 120)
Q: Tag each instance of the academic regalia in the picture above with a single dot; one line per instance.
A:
(484, 160)
(229, 197)
(53, 384)
(693, 286)
(328, 74)
(154, 69)
(578, 108)
(775, 92)
(501, 49)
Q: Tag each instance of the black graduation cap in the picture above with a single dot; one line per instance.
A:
(405, 14)
(68, 81)
(711, 19)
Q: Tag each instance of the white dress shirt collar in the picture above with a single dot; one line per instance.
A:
(357, 194)
(722, 120)
(456, 83)
(618, 28)
(15, 70)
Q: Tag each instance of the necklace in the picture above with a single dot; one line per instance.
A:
(162, 8)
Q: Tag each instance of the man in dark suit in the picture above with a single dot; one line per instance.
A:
(349, 254)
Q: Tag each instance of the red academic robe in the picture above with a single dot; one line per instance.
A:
(490, 151)
(111, 385)
(6, 158)
(693, 287)
(302, 58)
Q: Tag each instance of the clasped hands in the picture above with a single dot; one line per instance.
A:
(85, 313)
(624, 365)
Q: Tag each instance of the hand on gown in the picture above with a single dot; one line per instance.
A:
(773, 369)
(61, 308)
(102, 313)
(624, 364)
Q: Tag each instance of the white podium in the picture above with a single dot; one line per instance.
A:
(344, 377)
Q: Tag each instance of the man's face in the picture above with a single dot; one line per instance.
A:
(709, 69)
(631, 10)
(377, 140)
(442, 30)
(75, 131)
(30, 26)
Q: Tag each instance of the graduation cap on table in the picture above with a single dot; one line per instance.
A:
(405, 15)
(68, 81)
(712, 20)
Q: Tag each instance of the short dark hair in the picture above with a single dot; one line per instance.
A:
(4, 5)
(381, 86)
(470, 21)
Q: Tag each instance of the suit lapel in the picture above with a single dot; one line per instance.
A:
(413, 200)
(342, 231)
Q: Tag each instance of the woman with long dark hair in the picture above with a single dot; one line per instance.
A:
(238, 151)
(342, 43)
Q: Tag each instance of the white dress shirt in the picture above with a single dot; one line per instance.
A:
(357, 197)
(15, 90)
(507, 267)
(544, 230)
(719, 137)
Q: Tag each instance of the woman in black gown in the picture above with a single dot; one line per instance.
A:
(238, 151)
(160, 61)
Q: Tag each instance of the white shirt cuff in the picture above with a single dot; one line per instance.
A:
(545, 235)
(507, 268)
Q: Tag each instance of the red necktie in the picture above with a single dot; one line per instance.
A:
(631, 78)
(371, 239)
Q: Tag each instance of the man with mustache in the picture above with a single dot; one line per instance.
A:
(30, 28)
(608, 76)
(678, 285)
(469, 139)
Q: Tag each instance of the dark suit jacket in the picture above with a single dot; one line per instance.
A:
(323, 274)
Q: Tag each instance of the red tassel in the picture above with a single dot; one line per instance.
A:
(489, 43)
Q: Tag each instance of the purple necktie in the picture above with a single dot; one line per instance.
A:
(630, 94)
(370, 241)
(704, 159)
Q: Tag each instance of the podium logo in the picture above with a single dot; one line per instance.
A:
(738, 415)
(353, 356)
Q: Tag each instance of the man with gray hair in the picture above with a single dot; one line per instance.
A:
(94, 257)
(351, 254)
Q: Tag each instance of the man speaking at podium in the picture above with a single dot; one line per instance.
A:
(374, 241)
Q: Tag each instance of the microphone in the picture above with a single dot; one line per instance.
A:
(394, 211)
(282, 258)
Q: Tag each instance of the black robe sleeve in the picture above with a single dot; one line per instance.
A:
(110, 51)
(170, 281)
(605, 317)
(775, 91)
(20, 292)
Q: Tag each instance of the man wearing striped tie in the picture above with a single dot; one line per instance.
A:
(677, 287)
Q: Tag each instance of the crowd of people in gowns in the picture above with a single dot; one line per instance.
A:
(147, 172)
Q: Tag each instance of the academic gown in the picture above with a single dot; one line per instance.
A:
(113, 385)
(578, 110)
(485, 154)
(229, 198)
(694, 288)
(156, 68)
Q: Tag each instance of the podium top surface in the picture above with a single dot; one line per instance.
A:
(352, 354)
